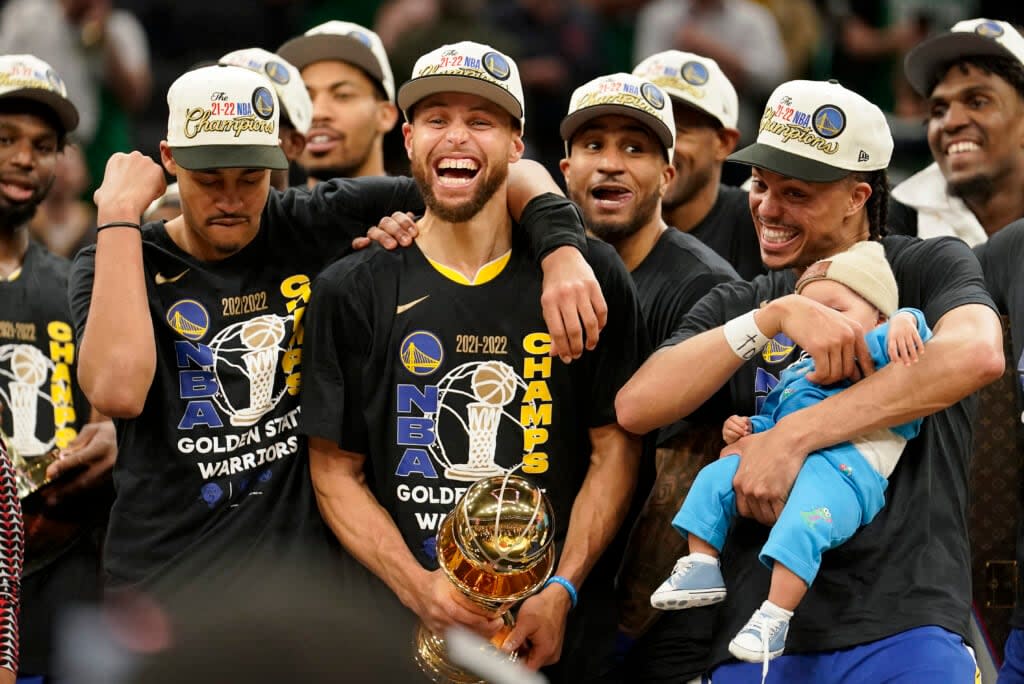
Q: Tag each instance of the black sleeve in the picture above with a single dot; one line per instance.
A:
(552, 221)
(1001, 259)
(337, 342)
(673, 309)
(902, 219)
(722, 303)
(336, 211)
(623, 344)
(938, 275)
(80, 280)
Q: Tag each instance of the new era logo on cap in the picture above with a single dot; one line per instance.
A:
(30, 78)
(695, 80)
(625, 95)
(342, 41)
(968, 38)
(819, 131)
(466, 67)
(224, 117)
(284, 77)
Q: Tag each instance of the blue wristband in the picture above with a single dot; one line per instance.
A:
(566, 584)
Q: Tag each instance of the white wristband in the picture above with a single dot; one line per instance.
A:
(744, 337)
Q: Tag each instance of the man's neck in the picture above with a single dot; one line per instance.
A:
(13, 246)
(687, 215)
(467, 247)
(372, 166)
(634, 249)
(1000, 209)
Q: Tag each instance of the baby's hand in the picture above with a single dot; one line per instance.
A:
(905, 342)
(735, 428)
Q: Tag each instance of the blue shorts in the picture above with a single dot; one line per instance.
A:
(1012, 671)
(924, 655)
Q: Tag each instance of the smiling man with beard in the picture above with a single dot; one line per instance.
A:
(819, 186)
(41, 404)
(349, 80)
(973, 77)
(466, 295)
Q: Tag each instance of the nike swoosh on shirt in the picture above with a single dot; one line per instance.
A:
(402, 308)
(161, 280)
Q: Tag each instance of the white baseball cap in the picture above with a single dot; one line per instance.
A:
(291, 91)
(968, 38)
(819, 131)
(466, 67)
(29, 78)
(693, 80)
(623, 94)
(224, 117)
(342, 41)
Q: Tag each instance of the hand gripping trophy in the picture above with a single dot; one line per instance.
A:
(495, 547)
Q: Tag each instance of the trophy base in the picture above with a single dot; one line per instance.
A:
(432, 657)
(30, 472)
(467, 473)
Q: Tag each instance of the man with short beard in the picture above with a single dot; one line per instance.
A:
(347, 74)
(41, 404)
(704, 104)
(466, 309)
(619, 136)
(973, 77)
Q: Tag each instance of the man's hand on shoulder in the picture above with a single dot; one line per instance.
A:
(573, 304)
(392, 231)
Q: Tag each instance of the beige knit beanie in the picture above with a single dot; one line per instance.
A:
(864, 269)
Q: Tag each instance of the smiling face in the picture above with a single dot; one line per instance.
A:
(349, 120)
(617, 173)
(459, 148)
(976, 130)
(220, 208)
(799, 222)
(28, 160)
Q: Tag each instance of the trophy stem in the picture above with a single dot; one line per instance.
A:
(432, 658)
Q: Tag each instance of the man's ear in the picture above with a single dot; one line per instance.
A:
(293, 143)
(167, 159)
(387, 115)
(407, 135)
(727, 138)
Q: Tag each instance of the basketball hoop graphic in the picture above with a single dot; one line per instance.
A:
(252, 348)
(29, 369)
(480, 391)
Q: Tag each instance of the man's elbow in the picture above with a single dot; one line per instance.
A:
(989, 363)
(113, 394)
(630, 413)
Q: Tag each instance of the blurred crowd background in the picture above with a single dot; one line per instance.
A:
(118, 58)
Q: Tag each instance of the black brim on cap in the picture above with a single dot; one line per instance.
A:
(319, 47)
(921, 62)
(575, 121)
(418, 88)
(66, 112)
(203, 157)
(788, 164)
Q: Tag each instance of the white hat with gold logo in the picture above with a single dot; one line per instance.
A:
(224, 117)
(29, 78)
(466, 67)
(342, 41)
(291, 91)
(694, 80)
(625, 95)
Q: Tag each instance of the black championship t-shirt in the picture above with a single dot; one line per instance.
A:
(442, 383)
(729, 230)
(1001, 259)
(214, 470)
(911, 566)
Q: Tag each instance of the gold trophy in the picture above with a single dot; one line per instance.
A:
(495, 547)
(29, 471)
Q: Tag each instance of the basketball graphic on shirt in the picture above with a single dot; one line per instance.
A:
(494, 383)
(262, 332)
(27, 371)
(249, 349)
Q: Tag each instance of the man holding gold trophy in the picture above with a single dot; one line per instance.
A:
(430, 369)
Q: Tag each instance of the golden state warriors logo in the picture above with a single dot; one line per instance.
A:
(277, 72)
(189, 319)
(694, 73)
(263, 103)
(778, 349)
(421, 353)
(989, 29)
(54, 80)
(828, 121)
(652, 94)
(360, 36)
(496, 65)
